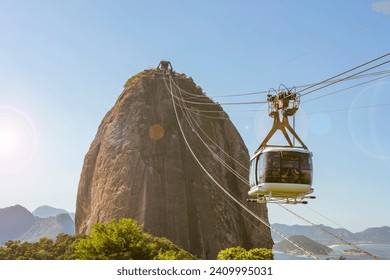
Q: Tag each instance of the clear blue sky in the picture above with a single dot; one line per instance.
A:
(63, 65)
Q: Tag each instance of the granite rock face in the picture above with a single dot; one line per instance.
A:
(138, 166)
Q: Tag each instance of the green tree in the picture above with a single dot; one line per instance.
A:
(239, 253)
(124, 240)
(260, 254)
(118, 240)
(62, 248)
(167, 250)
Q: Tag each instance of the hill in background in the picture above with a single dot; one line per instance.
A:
(14, 222)
(304, 242)
(377, 235)
(18, 223)
(46, 211)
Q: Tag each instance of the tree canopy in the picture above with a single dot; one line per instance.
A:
(121, 239)
(239, 253)
(45, 249)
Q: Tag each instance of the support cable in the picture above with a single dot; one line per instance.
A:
(345, 72)
(314, 90)
(190, 121)
(338, 91)
(222, 188)
(330, 233)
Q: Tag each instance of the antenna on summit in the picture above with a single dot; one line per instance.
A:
(165, 66)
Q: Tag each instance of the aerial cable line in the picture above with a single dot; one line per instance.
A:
(314, 90)
(302, 86)
(223, 103)
(345, 72)
(326, 83)
(331, 93)
(319, 214)
(235, 173)
(250, 211)
(352, 108)
(211, 177)
(384, 74)
(215, 144)
(309, 113)
(330, 233)
(230, 195)
(218, 104)
(192, 120)
(197, 110)
(186, 115)
(189, 93)
(211, 140)
(211, 117)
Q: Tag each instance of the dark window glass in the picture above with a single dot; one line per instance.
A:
(272, 175)
(287, 167)
(272, 167)
(307, 176)
(306, 162)
(290, 162)
(272, 160)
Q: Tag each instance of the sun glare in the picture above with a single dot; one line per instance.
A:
(18, 139)
(7, 139)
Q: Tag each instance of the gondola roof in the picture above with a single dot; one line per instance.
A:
(281, 148)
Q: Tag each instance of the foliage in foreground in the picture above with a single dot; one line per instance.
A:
(45, 249)
(119, 240)
(125, 240)
(238, 253)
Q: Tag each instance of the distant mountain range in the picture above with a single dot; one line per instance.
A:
(46, 211)
(17, 223)
(327, 235)
(14, 222)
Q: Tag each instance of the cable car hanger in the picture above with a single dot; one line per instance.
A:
(281, 174)
(286, 101)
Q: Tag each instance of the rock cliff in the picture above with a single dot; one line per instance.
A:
(138, 166)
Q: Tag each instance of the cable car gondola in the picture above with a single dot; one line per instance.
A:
(281, 174)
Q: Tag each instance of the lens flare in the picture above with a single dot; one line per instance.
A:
(6, 140)
(18, 139)
(369, 129)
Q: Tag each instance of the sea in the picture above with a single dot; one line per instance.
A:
(382, 251)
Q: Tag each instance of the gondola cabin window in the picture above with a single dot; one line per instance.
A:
(252, 173)
(281, 167)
